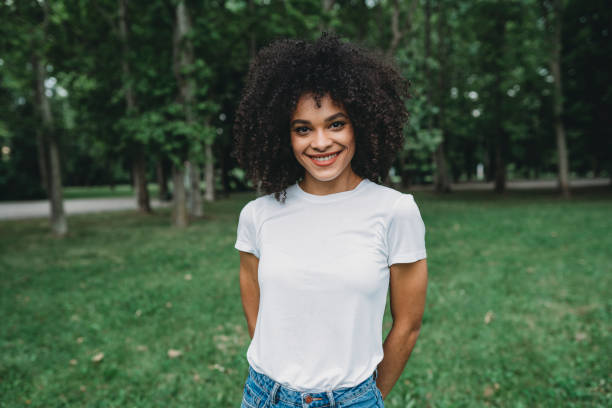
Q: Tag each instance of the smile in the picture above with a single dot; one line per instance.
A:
(325, 160)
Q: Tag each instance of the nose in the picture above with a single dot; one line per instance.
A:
(321, 141)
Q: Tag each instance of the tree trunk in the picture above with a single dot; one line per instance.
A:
(179, 208)
(404, 172)
(428, 91)
(441, 176)
(43, 163)
(500, 167)
(501, 137)
(387, 180)
(183, 58)
(393, 45)
(140, 181)
(138, 158)
(555, 67)
(210, 173)
(427, 55)
(109, 165)
(223, 164)
(52, 167)
(162, 180)
(58, 218)
(252, 51)
(442, 184)
(195, 193)
(397, 34)
(326, 6)
(252, 32)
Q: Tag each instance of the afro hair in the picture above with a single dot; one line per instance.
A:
(363, 81)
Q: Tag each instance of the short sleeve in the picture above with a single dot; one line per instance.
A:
(405, 232)
(246, 234)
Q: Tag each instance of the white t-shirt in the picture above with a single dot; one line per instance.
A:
(323, 278)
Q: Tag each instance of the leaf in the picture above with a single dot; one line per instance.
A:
(580, 336)
(217, 367)
(172, 353)
(98, 357)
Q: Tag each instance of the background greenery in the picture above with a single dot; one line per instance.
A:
(480, 69)
(126, 311)
(518, 307)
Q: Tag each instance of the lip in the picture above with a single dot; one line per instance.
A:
(326, 162)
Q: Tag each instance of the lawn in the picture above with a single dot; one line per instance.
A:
(129, 312)
(119, 190)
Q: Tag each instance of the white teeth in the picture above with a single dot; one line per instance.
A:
(325, 157)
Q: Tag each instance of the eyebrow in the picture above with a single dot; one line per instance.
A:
(332, 117)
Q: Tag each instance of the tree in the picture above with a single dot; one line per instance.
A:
(32, 22)
(182, 63)
(441, 177)
(586, 60)
(136, 148)
(553, 16)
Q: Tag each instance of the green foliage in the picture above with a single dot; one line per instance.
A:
(507, 69)
(588, 94)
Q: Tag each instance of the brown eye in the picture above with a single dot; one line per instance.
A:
(301, 129)
(339, 123)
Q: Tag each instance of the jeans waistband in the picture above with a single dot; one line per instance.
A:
(288, 395)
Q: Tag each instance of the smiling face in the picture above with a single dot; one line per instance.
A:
(323, 143)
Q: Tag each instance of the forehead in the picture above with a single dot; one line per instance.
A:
(307, 106)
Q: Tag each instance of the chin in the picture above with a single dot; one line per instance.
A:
(323, 176)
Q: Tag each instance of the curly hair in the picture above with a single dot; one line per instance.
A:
(363, 81)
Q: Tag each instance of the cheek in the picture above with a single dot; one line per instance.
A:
(352, 146)
(350, 140)
(296, 147)
(294, 144)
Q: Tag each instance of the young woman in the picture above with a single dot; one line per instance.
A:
(320, 124)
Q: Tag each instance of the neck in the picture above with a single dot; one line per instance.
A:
(342, 183)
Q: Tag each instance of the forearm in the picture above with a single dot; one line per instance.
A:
(249, 292)
(397, 348)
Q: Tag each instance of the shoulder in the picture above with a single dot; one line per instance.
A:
(257, 208)
(389, 197)
(398, 208)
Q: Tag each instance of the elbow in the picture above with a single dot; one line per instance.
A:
(409, 331)
(414, 332)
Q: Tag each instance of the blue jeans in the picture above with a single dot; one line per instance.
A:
(260, 391)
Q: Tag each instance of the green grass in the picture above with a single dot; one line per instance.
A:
(540, 270)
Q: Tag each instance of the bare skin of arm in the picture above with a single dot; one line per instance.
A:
(408, 287)
(249, 288)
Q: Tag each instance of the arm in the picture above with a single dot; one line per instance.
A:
(408, 287)
(249, 288)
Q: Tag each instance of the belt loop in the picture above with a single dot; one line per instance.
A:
(332, 402)
(274, 393)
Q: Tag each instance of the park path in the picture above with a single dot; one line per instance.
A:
(520, 185)
(40, 208)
